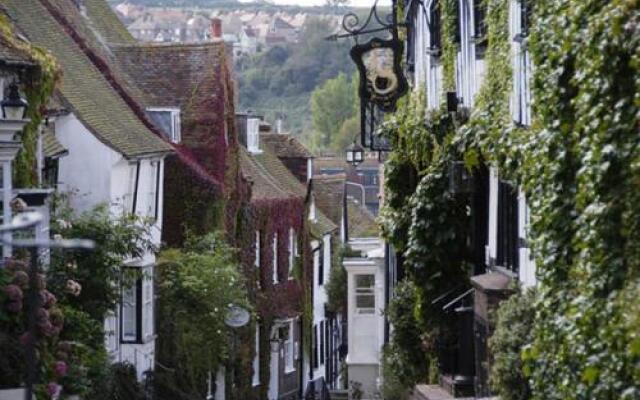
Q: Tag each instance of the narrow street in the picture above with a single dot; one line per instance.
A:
(320, 200)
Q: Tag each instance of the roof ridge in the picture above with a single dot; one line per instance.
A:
(105, 70)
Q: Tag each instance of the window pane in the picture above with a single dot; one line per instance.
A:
(129, 313)
(365, 301)
(256, 358)
(164, 121)
(365, 281)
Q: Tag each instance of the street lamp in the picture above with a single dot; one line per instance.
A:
(14, 107)
(355, 154)
(14, 110)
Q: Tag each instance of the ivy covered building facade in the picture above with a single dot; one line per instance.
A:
(495, 170)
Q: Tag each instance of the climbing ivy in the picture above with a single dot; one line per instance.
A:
(38, 84)
(585, 207)
(578, 165)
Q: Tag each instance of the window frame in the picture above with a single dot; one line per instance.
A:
(275, 276)
(136, 288)
(153, 194)
(255, 378)
(293, 250)
(175, 136)
(147, 305)
(321, 264)
(369, 291)
(507, 241)
(289, 348)
(314, 356)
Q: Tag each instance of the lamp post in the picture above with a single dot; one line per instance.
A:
(14, 110)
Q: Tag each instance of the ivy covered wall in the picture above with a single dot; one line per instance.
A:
(38, 84)
(578, 165)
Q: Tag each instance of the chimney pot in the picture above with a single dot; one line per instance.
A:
(216, 28)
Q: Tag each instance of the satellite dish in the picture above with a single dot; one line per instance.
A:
(237, 317)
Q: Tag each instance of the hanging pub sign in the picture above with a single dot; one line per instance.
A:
(382, 81)
(379, 65)
(371, 117)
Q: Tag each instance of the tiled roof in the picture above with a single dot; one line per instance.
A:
(272, 180)
(106, 22)
(9, 55)
(361, 223)
(86, 89)
(285, 146)
(279, 23)
(322, 225)
(264, 185)
(329, 190)
(172, 75)
(50, 145)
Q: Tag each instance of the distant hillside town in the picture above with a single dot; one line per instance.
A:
(250, 32)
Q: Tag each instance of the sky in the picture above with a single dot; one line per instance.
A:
(353, 3)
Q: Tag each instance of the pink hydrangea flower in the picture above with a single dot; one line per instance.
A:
(49, 299)
(21, 279)
(53, 389)
(13, 292)
(60, 368)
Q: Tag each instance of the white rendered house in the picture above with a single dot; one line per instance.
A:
(99, 174)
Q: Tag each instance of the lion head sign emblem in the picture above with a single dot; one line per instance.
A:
(381, 79)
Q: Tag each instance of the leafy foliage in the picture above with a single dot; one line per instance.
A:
(99, 271)
(196, 286)
(404, 358)
(584, 198)
(514, 322)
(578, 166)
(336, 287)
(281, 80)
(39, 83)
(332, 104)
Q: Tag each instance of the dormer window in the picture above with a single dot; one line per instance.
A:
(168, 120)
(253, 135)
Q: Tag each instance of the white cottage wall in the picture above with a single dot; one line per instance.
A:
(87, 167)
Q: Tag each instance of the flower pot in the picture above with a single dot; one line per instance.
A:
(13, 394)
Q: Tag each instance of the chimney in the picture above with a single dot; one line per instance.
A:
(216, 28)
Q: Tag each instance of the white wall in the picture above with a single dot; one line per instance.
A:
(100, 175)
(320, 297)
(87, 167)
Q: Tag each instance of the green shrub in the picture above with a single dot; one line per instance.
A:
(513, 332)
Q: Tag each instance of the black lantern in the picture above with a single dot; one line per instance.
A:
(355, 154)
(379, 65)
(13, 106)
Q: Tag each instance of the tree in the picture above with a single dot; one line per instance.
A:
(196, 286)
(331, 105)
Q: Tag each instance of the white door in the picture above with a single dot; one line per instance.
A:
(365, 319)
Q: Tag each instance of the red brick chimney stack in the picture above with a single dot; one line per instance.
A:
(216, 28)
